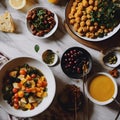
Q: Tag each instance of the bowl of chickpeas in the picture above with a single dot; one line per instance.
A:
(93, 20)
(41, 22)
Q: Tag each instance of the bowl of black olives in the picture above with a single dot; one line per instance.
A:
(76, 62)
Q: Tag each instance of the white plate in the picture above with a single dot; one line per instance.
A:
(110, 34)
(55, 58)
(51, 86)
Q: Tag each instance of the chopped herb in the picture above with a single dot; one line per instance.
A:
(36, 48)
(48, 57)
(107, 14)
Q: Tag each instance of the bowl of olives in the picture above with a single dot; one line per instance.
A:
(41, 22)
(76, 62)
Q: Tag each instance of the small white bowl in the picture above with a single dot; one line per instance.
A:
(52, 31)
(97, 101)
(114, 52)
(45, 55)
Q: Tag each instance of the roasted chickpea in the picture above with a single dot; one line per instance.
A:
(80, 7)
(85, 3)
(106, 30)
(72, 21)
(82, 24)
(88, 16)
(96, 34)
(76, 26)
(100, 30)
(80, 4)
(80, 30)
(73, 10)
(88, 22)
(95, 23)
(95, 8)
(92, 35)
(85, 29)
(91, 2)
(102, 27)
(89, 9)
(75, 4)
(70, 16)
(96, 3)
(77, 14)
(77, 19)
(87, 34)
(91, 28)
(84, 18)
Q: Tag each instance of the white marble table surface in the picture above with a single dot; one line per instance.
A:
(21, 43)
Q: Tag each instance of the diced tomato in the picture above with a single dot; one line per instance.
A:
(16, 106)
(16, 95)
(22, 72)
(15, 100)
(33, 90)
(32, 107)
(20, 85)
(28, 90)
(44, 83)
(33, 75)
(39, 83)
(15, 90)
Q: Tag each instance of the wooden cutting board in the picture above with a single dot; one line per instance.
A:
(101, 46)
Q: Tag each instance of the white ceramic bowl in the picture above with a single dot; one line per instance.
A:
(46, 56)
(113, 52)
(52, 31)
(51, 86)
(97, 101)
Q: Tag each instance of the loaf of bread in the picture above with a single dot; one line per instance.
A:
(6, 22)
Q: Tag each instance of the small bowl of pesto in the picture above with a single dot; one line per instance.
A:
(49, 57)
(112, 58)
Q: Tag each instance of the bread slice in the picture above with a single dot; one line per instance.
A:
(6, 22)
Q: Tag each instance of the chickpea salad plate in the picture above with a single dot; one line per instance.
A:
(93, 20)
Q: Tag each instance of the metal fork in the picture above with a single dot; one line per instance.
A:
(85, 71)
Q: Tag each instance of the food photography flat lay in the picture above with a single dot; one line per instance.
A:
(59, 60)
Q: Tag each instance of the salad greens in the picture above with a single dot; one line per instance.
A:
(108, 13)
(36, 48)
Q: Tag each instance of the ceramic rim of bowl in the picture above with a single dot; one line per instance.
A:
(107, 101)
